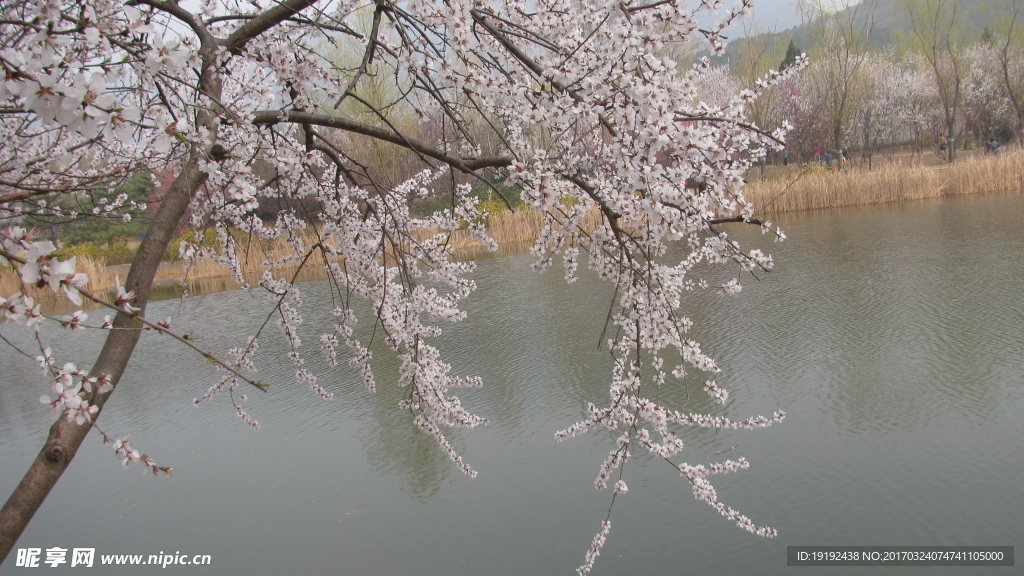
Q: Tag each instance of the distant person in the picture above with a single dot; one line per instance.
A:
(995, 146)
(785, 157)
(942, 143)
(817, 153)
(828, 159)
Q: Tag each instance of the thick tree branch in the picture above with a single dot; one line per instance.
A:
(66, 437)
(265, 21)
(466, 165)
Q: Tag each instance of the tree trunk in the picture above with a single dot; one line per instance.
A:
(66, 437)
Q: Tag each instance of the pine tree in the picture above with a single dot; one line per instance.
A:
(791, 54)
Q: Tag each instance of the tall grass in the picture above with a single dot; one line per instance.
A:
(892, 183)
(512, 229)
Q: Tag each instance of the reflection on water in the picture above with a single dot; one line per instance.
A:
(175, 279)
(891, 336)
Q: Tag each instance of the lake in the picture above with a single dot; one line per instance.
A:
(892, 336)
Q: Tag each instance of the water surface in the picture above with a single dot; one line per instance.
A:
(891, 336)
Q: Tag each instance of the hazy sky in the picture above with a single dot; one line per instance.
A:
(774, 14)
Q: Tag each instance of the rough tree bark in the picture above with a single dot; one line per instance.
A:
(65, 436)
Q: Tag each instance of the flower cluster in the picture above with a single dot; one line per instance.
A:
(595, 548)
(38, 266)
(73, 388)
(703, 490)
(124, 450)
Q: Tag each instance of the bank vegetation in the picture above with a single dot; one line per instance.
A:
(818, 188)
(812, 188)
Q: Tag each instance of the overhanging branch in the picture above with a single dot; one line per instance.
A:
(467, 165)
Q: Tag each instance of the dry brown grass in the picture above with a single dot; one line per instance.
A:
(512, 229)
(890, 183)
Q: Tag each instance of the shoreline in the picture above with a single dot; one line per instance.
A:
(816, 190)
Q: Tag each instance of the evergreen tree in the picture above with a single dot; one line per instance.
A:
(791, 54)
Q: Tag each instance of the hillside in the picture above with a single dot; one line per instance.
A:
(892, 26)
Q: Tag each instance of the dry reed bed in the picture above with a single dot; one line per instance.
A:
(509, 228)
(892, 183)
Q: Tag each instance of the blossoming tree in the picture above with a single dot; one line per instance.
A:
(574, 102)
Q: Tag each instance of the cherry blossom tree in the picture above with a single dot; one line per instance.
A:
(888, 112)
(573, 102)
(986, 107)
(924, 112)
(810, 126)
(717, 86)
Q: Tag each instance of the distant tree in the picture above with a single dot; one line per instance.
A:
(1010, 54)
(841, 47)
(716, 87)
(889, 110)
(810, 127)
(792, 53)
(757, 55)
(986, 36)
(987, 110)
(937, 35)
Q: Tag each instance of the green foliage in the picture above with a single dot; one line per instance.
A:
(118, 251)
(792, 52)
(1004, 134)
(492, 205)
(112, 253)
(203, 238)
(510, 193)
(987, 37)
(489, 201)
(99, 230)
